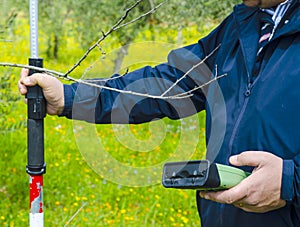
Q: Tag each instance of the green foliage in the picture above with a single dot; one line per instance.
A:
(84, 20)
(181, 13)
(70, 183)
(215, 9)
(8, 99)
(7, 19)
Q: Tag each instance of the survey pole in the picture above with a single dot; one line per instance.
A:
(35, 128)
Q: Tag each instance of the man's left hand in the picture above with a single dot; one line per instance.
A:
(260, 192)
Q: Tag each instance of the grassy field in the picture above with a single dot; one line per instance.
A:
(83, 187)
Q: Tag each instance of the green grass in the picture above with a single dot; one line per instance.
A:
(74, 181)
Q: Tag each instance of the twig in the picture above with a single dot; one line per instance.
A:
(75, 214)
(69, 78)
(177, 96)
(97, 44)
(185, 94)
(108, 79)
(42, 70)
(190, 70)
(117, 26)
(111, 30)
(141, 16)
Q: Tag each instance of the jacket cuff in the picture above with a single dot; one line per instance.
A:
(69, 97)
(287, 190)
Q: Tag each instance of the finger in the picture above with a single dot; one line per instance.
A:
(240, 204)
(245, 206)
(251, 208)
(241, 193)
(247, 158)
(22, 88)
(246, 202)
(24, 73)
(228, 196)
(258, 208)
(34, 79)
(40, 79)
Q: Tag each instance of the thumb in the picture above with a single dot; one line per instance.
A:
(31, 80)
(247, 158)
(40, 79)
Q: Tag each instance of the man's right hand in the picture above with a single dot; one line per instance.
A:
(52, 88)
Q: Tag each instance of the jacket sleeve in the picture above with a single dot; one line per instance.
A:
(290, 189)
(100, 105)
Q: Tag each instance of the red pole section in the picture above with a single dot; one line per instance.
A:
(36, 201)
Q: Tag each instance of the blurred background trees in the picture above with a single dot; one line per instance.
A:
(86, 19)
(83, 21)
(66, 29)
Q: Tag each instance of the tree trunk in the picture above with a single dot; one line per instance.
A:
(49, 47)
(52, 50)
(56, 47)
(179, 35)
(120, 56)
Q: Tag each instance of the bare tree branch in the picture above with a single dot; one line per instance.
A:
(141, 16)
(97, 44)
(69, 78)
(190, 70)
(182, 95)
(42, 70)
(188, 93)
(103, 37)
(115, 27)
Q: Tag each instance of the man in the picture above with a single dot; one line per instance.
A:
(261, 95)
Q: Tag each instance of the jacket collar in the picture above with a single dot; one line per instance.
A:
(248, 28)
(244, 14)
(292, 18)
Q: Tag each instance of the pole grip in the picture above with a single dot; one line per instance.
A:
(36, 101)
(36, 111)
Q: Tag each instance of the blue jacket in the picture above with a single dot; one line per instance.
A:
(248, 109)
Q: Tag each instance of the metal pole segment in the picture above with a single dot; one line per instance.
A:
(33, 12)
(35, 128)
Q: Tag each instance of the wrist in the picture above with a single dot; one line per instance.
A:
(67, 101)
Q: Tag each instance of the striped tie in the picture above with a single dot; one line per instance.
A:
(266, 29)
(269, 20)
(267, 25)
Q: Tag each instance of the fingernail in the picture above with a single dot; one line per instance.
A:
(204, 195)
(233, 158)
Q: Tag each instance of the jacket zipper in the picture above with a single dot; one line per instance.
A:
(247, 94)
